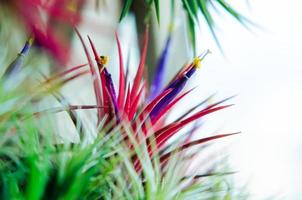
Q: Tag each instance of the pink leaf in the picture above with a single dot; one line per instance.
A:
(140, 70)
(121, 94)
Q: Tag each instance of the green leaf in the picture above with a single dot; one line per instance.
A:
(205, 12)
(209, 19)
(157, 10)
(230, 10)
(125, 9)
(192, 35)
(194, 8)
(188, 9)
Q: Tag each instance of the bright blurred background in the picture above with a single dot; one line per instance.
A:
(264, 67)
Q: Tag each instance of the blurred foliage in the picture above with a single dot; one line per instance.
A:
(195, 9)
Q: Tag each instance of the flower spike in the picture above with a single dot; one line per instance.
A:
(158, 80)
(177, 85)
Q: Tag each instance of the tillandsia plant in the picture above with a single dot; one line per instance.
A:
(133, 155)
(136, 153)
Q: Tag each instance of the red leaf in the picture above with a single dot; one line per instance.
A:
(64, 73)
(95, 78)
(74, 76)
(203, 102)
(194, 143)
(134, 106)
(219, 102)
(127, 103)
(164, 134)
(105, 93)
(195, 107)
(121, 93)
(95, 53)
(140, 70)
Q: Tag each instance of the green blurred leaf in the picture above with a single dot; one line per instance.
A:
(202, 4)
(188, 9)
(125, 9)
(157, 10)
(205, 12)
(191, 26)
(194, 8)
(230, 10)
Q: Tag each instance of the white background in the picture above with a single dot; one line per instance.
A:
(264, 67)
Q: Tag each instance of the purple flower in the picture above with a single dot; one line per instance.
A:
(176, 87)
(112, 93)
(158, 80)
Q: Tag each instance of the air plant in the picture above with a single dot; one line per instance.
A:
(128, 105)
(133, 156)
(136, 152)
